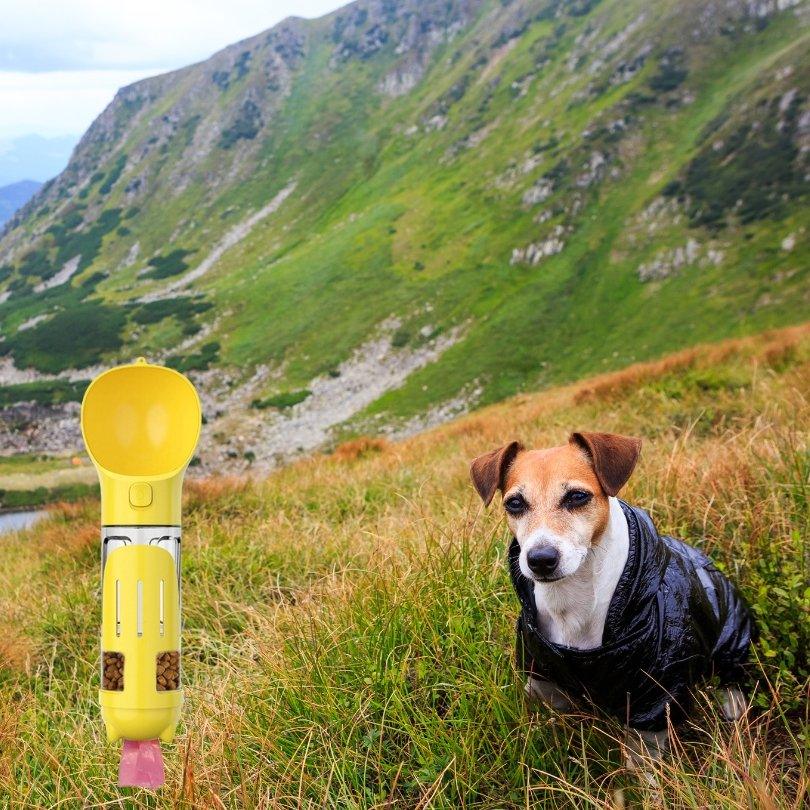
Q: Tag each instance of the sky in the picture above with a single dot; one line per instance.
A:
(61, 61)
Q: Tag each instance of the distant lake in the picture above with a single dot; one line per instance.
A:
(14, 521)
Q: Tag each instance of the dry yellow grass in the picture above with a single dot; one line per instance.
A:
(349, 620)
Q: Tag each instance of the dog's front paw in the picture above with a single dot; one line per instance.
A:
(546, 693)
(734, 704)
(642, 747)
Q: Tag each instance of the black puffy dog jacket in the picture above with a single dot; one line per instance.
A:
(673, 619)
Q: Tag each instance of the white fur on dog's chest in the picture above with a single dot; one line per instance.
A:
(573, 611)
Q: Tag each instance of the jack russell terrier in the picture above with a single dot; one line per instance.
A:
(610, 611)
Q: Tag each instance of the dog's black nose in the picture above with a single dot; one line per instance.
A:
(543, 560)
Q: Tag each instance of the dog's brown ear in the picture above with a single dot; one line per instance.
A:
(613, 457)
(489, 471)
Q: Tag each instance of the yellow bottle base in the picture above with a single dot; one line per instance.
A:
(125, 722)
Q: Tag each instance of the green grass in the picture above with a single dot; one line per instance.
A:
(13, 499)
(349, 621)
(31, 480)
(286, 399)
(29, 462)
(48, 392)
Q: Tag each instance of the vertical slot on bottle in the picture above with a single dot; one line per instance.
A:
(117, 607)
(139, 621)
(162, 623)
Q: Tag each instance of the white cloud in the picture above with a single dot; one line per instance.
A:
(58, 103)
(61, 61)
(83, 34)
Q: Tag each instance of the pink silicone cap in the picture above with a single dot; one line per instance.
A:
(141, 765)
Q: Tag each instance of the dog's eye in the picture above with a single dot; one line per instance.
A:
(515, 504)
(575, 498)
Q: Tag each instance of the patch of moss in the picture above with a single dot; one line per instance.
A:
(400, 338)
(286, 399)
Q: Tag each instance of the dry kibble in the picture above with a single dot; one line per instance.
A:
(112, 676)
(167, 672)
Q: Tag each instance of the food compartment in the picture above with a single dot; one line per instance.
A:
(167, 675)
(112, 671)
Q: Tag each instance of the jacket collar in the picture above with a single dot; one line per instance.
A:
(636, 590)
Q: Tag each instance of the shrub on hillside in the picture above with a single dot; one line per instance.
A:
(172, 264)
(73, 338)
(71, 242)
(47, 392)
(199, 361)
(115, 173)
(246, 125)
(183, 308)
(749, 173)
(671, 71)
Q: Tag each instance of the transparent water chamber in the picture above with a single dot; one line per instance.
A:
(166, 537)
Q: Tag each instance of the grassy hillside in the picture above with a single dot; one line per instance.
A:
(515, 194)
(349, 621)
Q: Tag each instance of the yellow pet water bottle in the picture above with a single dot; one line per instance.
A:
(140, 423)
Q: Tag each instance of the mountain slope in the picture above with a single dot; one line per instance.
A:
(15, 196)
(401, 210)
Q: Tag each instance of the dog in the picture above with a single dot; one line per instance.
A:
(610, 611)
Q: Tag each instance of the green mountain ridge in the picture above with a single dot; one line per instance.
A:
(402, 210)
